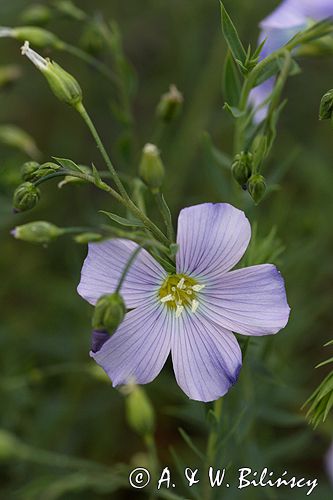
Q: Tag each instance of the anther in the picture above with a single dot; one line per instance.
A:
(181, 284)
(179, 310)
(197, 288)
(195, 305)
(167, 298)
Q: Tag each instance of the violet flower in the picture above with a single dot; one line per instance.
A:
(191, 313)
(288, 19)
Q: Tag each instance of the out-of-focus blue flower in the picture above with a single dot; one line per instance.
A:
(191, 313)
(329, 463)
(288, 19)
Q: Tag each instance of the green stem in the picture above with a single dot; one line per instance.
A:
(92, 61)
(212, 444)
(127, 268)
(166, 215)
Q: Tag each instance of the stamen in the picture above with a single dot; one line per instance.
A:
(195, 305)
(181, 284)
(189, 292)
(34, 57)
(167, 298)
(179, 310)
(197, 288)
(173, 288)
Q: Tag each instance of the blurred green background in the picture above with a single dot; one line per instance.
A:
(51, 396)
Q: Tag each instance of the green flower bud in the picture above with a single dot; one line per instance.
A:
(36, 14)
(64, 86)
(9, 74)
(326, 106)
(139, 411)
(92, 40)
(170, 104)
(32, 171)
(37, 232)
(15, 137)
(33, 34)
(109, 312)
(256, 187)
(85, 238)
(241, 167)
(26, 196)
(9, 445)
(151, 168)
(29, 169)
(69, 9)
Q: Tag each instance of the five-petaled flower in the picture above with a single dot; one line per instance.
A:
(191, 313)
(288, 19)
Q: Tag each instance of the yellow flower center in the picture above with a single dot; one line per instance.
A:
(179, 291)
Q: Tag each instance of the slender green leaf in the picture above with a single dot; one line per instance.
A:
(232, 38)
(122, 220)
(231, 81)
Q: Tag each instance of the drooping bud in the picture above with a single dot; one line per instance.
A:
(37, 232)
(151, 168)
(257, 187)
(92, 40)
(170, 104)
(36, 14)
(85, 238)
(37, 36)
(26, 196)
(326, 106)
(109, 312)
(64, 86)
(139, 411)
(241, 167)
(32, 171)
(9, 74)
(69, 9)
(17, 138)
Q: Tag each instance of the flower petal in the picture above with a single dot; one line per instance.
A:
(140, 346)
(212, 238)
(250, 301)
(206, 358)
(103, 267)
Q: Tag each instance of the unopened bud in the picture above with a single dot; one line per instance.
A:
(92, 40)
(85, 238)
(326, 106)
(257, 187)
(26, 196)
(139, 411)
(15, 137)
(37, 232)
(242, 167)
(33, 34)
(36, 14)
(9, 74)
(109, 313)
(32, 171)
(64, 86)
(151, 168)
(98, 339)
(170, 104)
(69, 9)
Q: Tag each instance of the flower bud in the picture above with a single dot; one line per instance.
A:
(64, 86)
(326, 106)
(109, 312)
(256, 187)
(69, 9)
(98, 339)
(170, 104)
(241, 167)
(85, 238)
(151, 168)
(37, 232)
(26, 196)
(32, 171)
(33, 34)
(9, 74)
(92, 40)
(139, 411)
(36, 14)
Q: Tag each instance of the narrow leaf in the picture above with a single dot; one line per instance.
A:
(231, 81)
(122, 220)
(232, 38)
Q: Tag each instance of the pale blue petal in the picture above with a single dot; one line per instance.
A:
(212, 238)
(103, 268)
(250, 301)
(206, 358)
(139, 348)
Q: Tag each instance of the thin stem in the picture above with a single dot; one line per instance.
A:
(212, 443)
(127, 268)
(83, 112)
(166, 215)
(92, 61)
